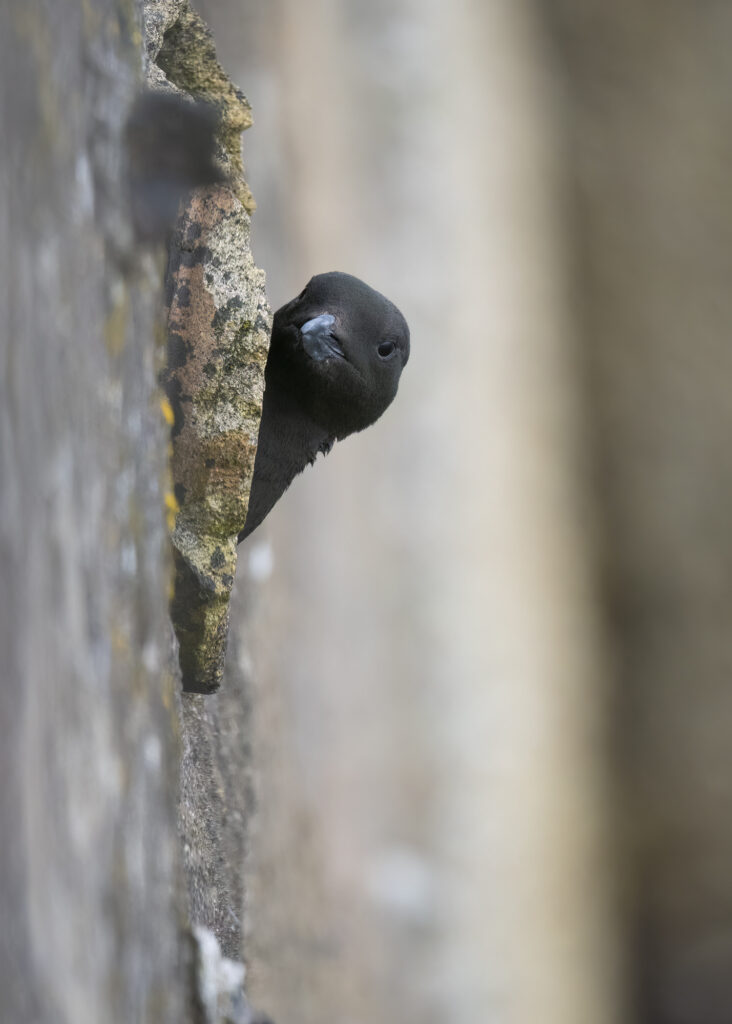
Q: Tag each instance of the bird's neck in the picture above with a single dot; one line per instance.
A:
(291, 440)
(288, 442)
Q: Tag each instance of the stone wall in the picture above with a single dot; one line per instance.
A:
(93, 896)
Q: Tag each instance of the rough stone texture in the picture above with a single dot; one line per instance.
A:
(158, 16)
(217, 799)
(219, 328)
(219, 325)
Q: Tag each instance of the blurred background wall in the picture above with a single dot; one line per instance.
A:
(431, 839)
(647, 91)
(493, 647)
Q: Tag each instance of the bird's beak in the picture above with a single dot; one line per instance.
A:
(318, 340)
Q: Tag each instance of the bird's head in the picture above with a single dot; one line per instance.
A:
(338, 350)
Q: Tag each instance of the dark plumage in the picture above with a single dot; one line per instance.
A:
(335, 358)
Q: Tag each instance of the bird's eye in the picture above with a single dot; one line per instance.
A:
(385, 349)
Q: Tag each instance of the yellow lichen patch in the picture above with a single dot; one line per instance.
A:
(172, 508)
(167, 410)
(167, 691)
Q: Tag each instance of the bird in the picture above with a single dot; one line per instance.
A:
(336, 355)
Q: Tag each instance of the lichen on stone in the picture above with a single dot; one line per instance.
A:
(219, 324)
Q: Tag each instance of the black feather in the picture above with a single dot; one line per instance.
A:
(335, 359)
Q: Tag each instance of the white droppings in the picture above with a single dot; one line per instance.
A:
(220, 980)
